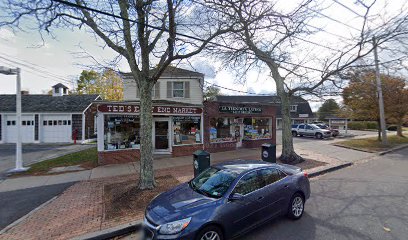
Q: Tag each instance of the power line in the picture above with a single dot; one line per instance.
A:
(335, 20)
(181, 34)
(348, 8)
(37, 71)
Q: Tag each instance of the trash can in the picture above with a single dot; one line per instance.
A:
(201, 161)
(269, 152)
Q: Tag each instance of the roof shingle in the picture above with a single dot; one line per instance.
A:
(46, 103)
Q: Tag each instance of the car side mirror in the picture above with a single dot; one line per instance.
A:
(235, 197)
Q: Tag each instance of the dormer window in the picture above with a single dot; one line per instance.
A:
(59, 90)
(293, 108)
(56, 90)
(65, 91)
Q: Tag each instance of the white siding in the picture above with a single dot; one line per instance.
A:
(196, 92)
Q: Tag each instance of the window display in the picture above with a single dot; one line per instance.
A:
(186, 130)
(257, 128)
(121, 132)
(220, 130)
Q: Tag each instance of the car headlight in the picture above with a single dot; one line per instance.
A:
(175, 227)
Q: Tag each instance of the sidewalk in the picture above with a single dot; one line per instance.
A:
(80, 209)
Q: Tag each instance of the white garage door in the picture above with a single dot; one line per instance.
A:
(56, 128)
(27, 129)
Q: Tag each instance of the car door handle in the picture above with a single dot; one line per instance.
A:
(260, 198)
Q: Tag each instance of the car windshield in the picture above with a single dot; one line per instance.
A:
(214, 182)
(314, 126)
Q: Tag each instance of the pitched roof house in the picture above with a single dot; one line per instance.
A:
(56, 118)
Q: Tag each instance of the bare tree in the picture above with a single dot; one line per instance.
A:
(274, 38)
(146, 33)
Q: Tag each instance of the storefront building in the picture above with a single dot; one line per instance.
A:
(229, 126)
(177, 130)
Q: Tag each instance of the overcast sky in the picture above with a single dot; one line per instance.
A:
(58, 59)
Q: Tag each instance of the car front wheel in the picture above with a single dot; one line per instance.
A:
(296, 207)
(210, 233)
(294, 134)
(319, 135)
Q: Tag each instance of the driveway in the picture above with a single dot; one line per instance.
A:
(34, 153)
(367, 201)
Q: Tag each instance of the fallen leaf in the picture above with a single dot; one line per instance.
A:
(387, 229)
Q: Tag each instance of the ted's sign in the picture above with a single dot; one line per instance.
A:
(116, 108)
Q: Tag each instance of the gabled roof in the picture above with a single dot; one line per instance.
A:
(171, 71)
(303, 106)
(47, 103)
(60, 85)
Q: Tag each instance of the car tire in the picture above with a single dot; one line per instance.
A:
(294, 134)
(319, 135)
(296, 207)
(210, 232)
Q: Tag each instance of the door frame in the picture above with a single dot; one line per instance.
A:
(169, 149)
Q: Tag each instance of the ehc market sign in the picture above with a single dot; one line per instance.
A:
(117, 108)
(240, 110)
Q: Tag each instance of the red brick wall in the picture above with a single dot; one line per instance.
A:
(256, 143)
(220, 147)
(119, 156)
(186, 150)
(211, 111)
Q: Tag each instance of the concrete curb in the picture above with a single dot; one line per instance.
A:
(352, 148)
(8, 227)
(393, 149)
(112, 232)
(330, 169)
(137, 225)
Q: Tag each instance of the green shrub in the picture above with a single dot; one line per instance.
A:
(362, 125)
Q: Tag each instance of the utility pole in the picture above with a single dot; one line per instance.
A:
(19, 157)
(380, 95)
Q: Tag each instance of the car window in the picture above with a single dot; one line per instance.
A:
(271, 175)
(248, 183)
(309, 127)
(214, 182)
(301, 126)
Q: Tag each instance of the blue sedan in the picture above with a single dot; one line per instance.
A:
(227, 200)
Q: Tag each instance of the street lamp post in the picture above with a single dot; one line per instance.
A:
(19, 158)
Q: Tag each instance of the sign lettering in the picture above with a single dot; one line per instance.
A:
(240, 110)
(117, 108)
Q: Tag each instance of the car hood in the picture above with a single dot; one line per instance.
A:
(178, 203)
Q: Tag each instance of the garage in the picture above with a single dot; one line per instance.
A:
(56, 128)
(27, 128)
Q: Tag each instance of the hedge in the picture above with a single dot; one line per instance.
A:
(362, 125)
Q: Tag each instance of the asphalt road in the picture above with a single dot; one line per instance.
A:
(353, 203)
(15, 204)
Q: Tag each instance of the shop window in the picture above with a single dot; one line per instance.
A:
(257, 128)
(121, 132)
(178, 89)
(11, 123)
(220, 130)
(24, 123)
(45, 123)
(69, 122)
(64, 122)
(186, 130)
(49, 122)
(55, 122)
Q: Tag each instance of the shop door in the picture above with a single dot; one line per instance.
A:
(161, 135)
(239, 134)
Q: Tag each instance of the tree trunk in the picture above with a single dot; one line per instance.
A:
(399, 129)
(146, 147)
(288, 152)
(379, 130)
